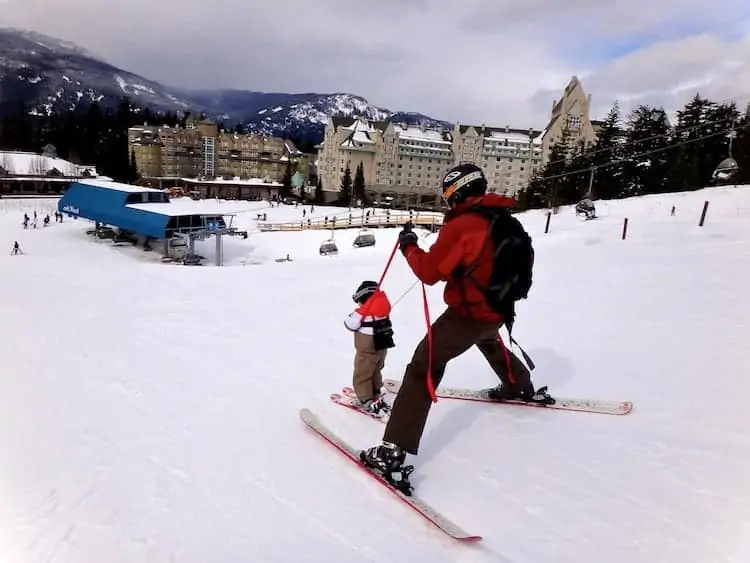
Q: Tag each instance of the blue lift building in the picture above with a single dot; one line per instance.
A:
(144, 213)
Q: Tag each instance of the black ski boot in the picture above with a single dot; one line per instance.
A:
(505, 393)
(388, 460)
(541, 396)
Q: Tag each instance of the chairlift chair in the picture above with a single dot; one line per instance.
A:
(586, 207)
(726, 169)
(328, 247)
(364, 238)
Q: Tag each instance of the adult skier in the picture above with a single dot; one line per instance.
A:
(463, 257)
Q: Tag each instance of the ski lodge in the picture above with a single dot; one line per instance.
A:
(143, 215)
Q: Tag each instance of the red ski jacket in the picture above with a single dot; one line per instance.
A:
(461, 240)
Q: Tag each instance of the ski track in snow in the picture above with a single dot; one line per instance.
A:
(150, 412)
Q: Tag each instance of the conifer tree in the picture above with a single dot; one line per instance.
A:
(359, 183)
(606, 158)
(690, 128)
(345, 195)
(646, 152)
(319, 197)
(286, 181)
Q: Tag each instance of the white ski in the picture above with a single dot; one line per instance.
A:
(417, 504)
(598, 406)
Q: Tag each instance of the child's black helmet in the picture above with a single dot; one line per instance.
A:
(365, 290)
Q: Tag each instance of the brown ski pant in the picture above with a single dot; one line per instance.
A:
(452, 335)
(368, 367)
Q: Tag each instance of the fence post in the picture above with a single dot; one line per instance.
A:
(546, 226)
(703, 214)
(625, 228)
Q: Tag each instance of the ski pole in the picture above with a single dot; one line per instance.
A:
(405, 293)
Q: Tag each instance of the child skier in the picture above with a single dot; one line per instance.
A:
(373, 335)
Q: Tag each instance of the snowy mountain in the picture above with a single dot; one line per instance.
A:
(159, 421)
(46, 72)
(300, 114)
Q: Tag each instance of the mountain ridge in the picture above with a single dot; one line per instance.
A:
(48, 73)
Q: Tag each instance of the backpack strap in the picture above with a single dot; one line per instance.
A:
(509, 317)
(526, 357)
(493, 216)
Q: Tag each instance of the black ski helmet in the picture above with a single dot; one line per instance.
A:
(463, 181)
(365, 290)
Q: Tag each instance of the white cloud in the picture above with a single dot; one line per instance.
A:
(479, 61)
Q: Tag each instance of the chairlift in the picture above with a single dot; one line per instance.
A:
(726, 169)
(364, 238)
(193, 260)
(328, 247)
(586, 207)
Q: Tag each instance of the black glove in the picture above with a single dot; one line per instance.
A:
(407, 238)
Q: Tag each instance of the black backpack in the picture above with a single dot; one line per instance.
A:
(513, 265)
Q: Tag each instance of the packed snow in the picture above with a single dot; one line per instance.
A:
(149, 412)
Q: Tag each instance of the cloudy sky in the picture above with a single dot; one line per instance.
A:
(499, 62)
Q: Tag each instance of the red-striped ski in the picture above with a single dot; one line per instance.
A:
(597, 406)
(413, 501)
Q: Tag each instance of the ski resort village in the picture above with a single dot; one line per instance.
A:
(322, 331)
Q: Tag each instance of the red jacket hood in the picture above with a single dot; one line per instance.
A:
(377, 305)
(487, 200)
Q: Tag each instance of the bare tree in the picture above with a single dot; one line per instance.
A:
(6, 163)
(38, 166)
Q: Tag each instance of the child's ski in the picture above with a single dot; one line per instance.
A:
(417, 504)
(351, 402)
(597, 406)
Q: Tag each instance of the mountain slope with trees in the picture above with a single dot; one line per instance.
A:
(642, 153)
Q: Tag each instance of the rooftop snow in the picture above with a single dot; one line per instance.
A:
(359, 125)
(117, 186)
(358, 137)
(180, 208)
(252, 182)
(512, 137)
(28, 163)
(416, 134)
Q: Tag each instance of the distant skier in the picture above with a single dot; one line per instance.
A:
(373, 336)
(16, 248)
(462, 256)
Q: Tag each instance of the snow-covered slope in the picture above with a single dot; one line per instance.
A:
(150, 412)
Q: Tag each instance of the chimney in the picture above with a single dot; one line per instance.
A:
(554, 103)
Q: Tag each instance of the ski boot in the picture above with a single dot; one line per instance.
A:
(377, 406)
(541, 396)
(504, 393)
(388, 460)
